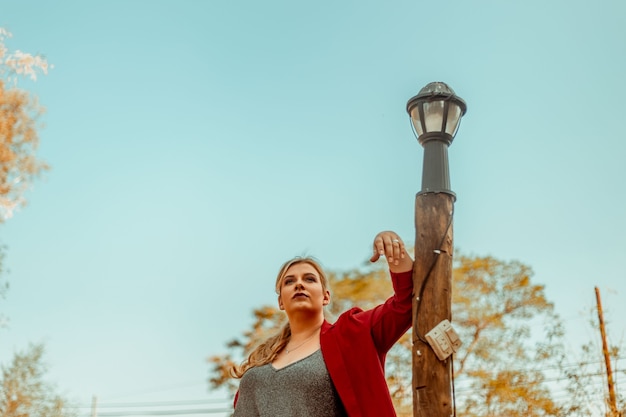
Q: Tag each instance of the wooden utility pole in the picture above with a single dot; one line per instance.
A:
(607, 358)
(435, 114)
(432, 383)
(94, 406)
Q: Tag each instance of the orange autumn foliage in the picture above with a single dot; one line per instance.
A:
(19, 112)
(18, 144)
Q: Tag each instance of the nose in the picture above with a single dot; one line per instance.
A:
(299, 286)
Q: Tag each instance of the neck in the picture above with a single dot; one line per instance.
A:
(301, 329)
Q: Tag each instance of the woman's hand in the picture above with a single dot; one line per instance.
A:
(391, 246)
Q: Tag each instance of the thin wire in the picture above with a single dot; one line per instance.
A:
(453, 389)
(157, 403)
(471, 390)
(163, 413)
(158, 389)
(465, 378)
(428, 274)
(419, 302)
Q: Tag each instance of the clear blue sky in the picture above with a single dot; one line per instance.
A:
(196, 145)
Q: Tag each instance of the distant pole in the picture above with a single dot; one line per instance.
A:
(607, 358)
(435, 113)
(94, 405)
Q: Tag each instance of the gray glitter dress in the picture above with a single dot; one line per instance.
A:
(300, 389)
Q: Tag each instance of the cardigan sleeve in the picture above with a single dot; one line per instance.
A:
(355, 346)
(390, 320)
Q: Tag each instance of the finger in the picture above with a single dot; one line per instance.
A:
(375, 256)
(387, 239)
(378, 249)
(397, 250)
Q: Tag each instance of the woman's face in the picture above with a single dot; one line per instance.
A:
(301, 289)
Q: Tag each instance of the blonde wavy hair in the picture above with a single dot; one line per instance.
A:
(267, 351)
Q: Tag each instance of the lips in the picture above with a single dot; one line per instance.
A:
(299, 294)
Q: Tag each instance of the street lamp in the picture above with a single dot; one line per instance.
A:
(436, 113)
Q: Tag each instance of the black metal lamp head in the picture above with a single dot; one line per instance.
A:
(435, 114)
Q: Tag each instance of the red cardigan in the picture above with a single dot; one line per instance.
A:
(355, 346)
(354, 349)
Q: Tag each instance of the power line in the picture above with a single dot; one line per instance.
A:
(159, 403)
(164, 412)
(555, 367)
(159, 408)
(469, 390)
(163, 388)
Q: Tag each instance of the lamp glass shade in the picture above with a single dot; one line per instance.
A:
(433, 115)
(454, 117)
(416, 120)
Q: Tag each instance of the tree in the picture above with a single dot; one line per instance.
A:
(18, 133)
(509, 332)
(587, 378)
(4, 285)
(24, 392)
(19, 140)
(510, 336)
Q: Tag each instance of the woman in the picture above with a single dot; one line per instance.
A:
(314, 368)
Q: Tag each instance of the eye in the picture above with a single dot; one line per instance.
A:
(288, 281)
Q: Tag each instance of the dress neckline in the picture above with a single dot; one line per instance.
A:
(293, 363)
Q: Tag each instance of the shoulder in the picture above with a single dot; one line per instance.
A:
(348, 319)
(254, 375)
